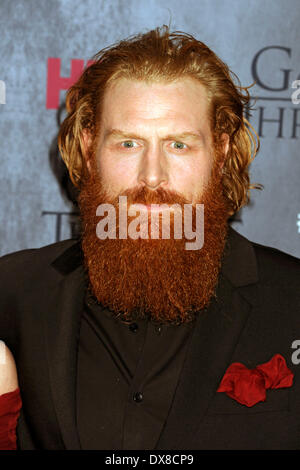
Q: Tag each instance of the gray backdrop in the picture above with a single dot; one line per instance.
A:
(43, 42)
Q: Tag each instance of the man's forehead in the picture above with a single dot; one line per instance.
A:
(176, 107)
(184, 87)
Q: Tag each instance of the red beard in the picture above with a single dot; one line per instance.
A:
(153, 278)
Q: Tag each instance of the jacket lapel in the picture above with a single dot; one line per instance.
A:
(214, 340)
(62, 324)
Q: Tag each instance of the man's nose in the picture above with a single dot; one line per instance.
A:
(153, 170)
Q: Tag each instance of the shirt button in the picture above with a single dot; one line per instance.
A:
(133, 327)
(138, 397)
(158, 329)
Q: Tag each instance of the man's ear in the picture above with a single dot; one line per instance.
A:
(225, 145)
(87, 142)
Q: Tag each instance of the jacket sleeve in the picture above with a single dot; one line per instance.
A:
(12, 269)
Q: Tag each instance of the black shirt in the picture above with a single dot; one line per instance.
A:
(126, 378)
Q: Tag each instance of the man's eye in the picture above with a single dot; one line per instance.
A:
(179, 145)
(128, 144)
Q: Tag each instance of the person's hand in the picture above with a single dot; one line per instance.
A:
(8, 371)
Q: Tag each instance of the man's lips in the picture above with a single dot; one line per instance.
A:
(151, 208)
(157, 207)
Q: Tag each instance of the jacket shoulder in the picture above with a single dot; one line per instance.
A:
(23, 275)
(34, 258)
(277, 265)
(249, 262)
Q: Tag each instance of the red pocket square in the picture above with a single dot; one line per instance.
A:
(248, 386)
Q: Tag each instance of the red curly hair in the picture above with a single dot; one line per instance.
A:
(163, 56)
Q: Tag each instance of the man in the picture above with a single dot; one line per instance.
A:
(122, 339)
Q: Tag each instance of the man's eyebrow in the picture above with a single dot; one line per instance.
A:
(118, 133)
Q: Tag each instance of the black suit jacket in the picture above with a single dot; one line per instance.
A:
(255, 316)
